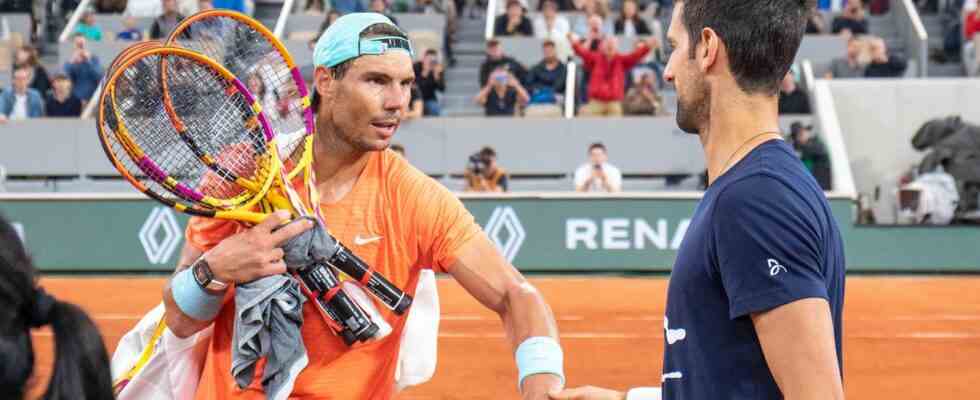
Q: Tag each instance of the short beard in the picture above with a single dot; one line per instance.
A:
(694, 111)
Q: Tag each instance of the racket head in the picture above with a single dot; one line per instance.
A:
(251, 52)
(208, 96)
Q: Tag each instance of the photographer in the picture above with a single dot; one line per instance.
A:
(502, 95)
(483, 174)
(598, 175)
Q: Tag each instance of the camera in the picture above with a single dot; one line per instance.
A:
(477, 163)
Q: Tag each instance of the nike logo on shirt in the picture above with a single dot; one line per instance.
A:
(360, 241)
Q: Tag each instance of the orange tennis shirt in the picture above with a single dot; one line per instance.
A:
(399, 221)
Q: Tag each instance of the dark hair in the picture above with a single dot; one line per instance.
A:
(762, 37)
(59, 77)
(598, 145)
(488, 151)
(81, 366)
(32, 56)
(548, 43)
(431, 52)
(493, 43)
(340, 70)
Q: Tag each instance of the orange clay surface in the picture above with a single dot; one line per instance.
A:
(904, 337)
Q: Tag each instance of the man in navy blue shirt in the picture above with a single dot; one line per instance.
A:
(756, 294)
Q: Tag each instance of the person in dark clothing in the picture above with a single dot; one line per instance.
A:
(496, 59)
(547, 78)
(629, 23)
(514, 22)
(502, 94)
(166, 22)
(851, 20)
(812, 153)
(563, 5)
(429, 78)
(27, 58)
(62, 102)
(884, 65)
(792, 98)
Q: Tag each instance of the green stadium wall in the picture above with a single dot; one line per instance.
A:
(538, 233)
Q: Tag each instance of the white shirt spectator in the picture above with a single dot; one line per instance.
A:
(969, 6)
(559, 29)
(20, 107)
(614, 178)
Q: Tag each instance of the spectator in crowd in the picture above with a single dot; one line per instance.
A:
(166, 22)
(80, 369)
(84, 70)
(852, 20)
(853, 65)
(815, 24)
(792, 98)
(642, 97)
(132, 33)
(483, 174)
(86, 26)
(380, 7)
(546, 80)
(414, 108)
(110, 6)
(502, 5)
(20, 102)
(550, 25)
(598, 175)
(884, 65)
(315, 7)
(348, 6)
(496, 59)
(398, 148)
(607, 70)
(502, 94)
(514, 22)
(62, 102)
(560, 5)
(327, 21)
(204, 5)
(257, 87)
(593, 26)
(429, 76)
(234, 5)
(27, 58)
(629, 23)
(971, 30)
(812, 152)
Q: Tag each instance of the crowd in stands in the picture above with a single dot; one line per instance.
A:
(34, 93)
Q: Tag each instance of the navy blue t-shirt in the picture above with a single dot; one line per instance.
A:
(762, 236)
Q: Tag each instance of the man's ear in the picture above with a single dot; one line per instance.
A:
(708, 48)
(323, 82)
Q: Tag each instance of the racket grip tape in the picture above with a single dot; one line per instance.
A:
(356, 324)
(389, 294)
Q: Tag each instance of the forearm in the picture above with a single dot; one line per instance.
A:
(180, 323)
(525, 314)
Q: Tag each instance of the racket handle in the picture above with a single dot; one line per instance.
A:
(389, 294)
(356, 324)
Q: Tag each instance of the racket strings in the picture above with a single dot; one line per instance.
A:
(250, 56)
(140, 96)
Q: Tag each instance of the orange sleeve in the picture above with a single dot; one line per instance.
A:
(205, 233)
(439, 221)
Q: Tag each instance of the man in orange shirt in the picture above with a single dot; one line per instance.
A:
(394, 217)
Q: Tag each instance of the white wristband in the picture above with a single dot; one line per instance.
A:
(643, 393)
(539, 355)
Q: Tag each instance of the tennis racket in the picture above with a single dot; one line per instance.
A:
(211, 102)
(248, 49)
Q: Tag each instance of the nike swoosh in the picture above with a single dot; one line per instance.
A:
(359, 241)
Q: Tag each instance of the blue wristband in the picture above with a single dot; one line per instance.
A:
(192, 299)
(539, 355)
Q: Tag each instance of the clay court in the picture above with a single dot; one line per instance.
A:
(906, 337)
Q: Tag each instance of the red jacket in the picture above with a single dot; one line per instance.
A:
(607, 77)
(971, 25)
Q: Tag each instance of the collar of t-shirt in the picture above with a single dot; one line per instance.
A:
(20, 107)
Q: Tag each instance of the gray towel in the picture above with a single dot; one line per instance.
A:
(268, 317)
(314, 245)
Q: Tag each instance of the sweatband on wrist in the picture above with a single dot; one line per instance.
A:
(192, 299)
(643, 393)
(539, 355)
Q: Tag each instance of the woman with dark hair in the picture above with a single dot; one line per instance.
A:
(629, 23)
(27, 57)
(81, 366)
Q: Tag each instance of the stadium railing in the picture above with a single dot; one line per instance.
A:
(914, 33)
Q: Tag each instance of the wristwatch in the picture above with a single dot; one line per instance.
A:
(205, 278)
